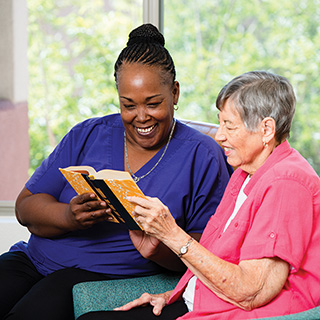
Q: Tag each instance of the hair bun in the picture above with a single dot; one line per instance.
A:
(146, 33)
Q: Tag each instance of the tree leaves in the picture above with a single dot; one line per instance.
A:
(73, 46)
(214, 41)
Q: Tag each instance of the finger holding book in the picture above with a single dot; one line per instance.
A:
(157, 221)
(86, 210)
(154, 217)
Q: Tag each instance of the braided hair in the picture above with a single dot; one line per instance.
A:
(146, 46)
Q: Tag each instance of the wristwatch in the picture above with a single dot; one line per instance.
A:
(184, 249)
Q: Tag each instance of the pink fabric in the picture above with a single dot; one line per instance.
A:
(280, 218)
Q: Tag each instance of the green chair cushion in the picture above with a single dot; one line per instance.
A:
(109, 294)
(312, 314)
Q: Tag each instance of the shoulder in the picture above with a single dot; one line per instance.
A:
(197, 138)
(89, 131)
(113, 120)
(295, 169)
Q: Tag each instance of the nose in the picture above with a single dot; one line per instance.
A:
(142, 114)
(220, 136)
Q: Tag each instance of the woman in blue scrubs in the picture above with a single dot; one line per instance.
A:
(72, 239)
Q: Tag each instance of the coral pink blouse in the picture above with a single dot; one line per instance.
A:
(280, 218)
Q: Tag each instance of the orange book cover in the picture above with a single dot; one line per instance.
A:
(112, 186)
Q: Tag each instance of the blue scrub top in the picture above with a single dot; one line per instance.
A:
(190, 179)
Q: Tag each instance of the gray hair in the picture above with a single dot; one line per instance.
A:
(260, 94)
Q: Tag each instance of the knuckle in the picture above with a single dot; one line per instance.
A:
(89, 205)
(79, 219)
(145, 295)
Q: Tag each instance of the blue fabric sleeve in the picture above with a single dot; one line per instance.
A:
(210, 180)
(47, 178)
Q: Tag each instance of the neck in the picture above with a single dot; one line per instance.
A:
(127, 166)
(260, 159)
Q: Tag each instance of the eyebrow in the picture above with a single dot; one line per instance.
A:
(147, 99)
(225, 121)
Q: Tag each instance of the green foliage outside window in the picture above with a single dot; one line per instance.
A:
(73, 46)
(214, 41)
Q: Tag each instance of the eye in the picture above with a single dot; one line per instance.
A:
(154, 104)
(129, 106)
(229, 126)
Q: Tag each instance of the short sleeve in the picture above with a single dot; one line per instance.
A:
(47, 178)
(282, 225)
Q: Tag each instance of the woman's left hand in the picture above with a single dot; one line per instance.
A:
(145, 244)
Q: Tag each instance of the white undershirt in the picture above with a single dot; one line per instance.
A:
(188, 295)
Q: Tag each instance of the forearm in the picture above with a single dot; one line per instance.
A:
(248, 285)
(169, 259)
(225, 279)
(154, 250)
(42, 214)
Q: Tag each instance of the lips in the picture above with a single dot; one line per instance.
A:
(146, 130)
(227, 150)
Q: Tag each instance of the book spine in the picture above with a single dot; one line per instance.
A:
(105, 194)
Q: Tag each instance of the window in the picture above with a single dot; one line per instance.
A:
(73, 46)
(212, 41)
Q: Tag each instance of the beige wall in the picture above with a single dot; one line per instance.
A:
(14, 138)
(14, 148)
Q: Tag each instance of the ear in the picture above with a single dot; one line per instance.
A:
(268, 129)
(176, 92)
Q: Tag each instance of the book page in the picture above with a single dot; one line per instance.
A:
(102, 174)
(112, 174)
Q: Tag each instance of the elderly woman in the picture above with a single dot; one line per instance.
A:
(259, 254)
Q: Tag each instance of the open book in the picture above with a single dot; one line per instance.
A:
(111, 186)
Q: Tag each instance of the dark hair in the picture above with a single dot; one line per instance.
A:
(260, 94)
(146, 46)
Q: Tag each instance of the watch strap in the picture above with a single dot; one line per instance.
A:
(184, 249)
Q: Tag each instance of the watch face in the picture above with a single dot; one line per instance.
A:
(183, 250)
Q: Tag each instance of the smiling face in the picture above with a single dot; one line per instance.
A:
(146, 105)
(243, 148)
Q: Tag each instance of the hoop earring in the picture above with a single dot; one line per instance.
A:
(176, 108)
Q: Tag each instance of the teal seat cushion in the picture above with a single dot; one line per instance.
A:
(312, 314)
(109, 294)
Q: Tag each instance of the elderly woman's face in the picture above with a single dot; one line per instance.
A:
(146, 105)
(243, 148)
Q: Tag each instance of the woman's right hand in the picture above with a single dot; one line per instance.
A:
(158, 301)
(86, 210)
